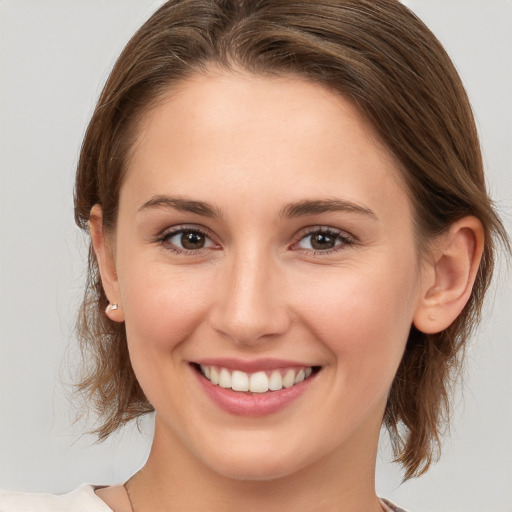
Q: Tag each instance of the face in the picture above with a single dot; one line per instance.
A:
(264, 239)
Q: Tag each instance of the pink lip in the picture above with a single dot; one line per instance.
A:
(251, 404)
(251, 366)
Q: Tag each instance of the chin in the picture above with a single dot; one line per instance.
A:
(260, 464)
(253, 471)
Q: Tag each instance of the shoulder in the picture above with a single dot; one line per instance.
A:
(387, 506)
(82, 499)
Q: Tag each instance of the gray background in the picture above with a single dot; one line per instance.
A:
(54, 58)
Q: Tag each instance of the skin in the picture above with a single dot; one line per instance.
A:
(250, 146)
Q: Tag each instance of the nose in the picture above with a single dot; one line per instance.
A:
(250, 304)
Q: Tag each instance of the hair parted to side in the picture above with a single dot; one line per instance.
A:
(376, 53)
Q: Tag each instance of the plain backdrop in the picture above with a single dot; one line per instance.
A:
(54, 58)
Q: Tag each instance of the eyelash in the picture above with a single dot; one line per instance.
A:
(345, 239)
(165, 237)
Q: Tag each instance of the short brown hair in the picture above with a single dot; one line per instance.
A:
(376, 53)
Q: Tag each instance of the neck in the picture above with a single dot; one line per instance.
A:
(174, 479)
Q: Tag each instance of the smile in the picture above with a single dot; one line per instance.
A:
(258, 382)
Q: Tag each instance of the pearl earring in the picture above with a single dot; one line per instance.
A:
(111, 307)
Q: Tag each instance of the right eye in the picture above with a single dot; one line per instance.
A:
(183, 240)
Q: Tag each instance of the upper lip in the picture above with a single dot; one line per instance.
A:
(252, 365)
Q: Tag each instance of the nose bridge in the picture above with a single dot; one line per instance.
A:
(250, 303)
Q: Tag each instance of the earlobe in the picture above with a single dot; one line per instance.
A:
(106, 264)
(448, 281)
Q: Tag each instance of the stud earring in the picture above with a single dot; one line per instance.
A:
(111, 307)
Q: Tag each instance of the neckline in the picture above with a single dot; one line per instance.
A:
(91, 489)
(387, 505)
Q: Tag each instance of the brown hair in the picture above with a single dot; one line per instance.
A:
(376, 53)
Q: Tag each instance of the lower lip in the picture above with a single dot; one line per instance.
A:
(252, 404)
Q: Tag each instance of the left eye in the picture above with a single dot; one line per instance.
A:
(189, 240)
(322, 241)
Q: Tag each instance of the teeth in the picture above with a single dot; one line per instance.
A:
(214, 375)
(224, 378)
(239, 381)
(259, 382)
(275, 383)
(289, 379)
(206, 371)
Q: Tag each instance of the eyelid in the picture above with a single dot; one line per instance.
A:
(346, 238)
(183, 227)
(169, 232)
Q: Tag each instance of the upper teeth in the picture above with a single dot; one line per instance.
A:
(259, 382)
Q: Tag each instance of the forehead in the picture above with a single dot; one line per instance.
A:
(247, 132)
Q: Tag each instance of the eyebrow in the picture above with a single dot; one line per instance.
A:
(182, 204)
(292, 210)
(314, 207)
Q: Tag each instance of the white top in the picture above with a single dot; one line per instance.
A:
(83, 499)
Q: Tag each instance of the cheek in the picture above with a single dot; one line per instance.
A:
(162, 304)
(163, 307)
(364, 318)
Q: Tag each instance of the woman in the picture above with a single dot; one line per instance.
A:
(292, 241)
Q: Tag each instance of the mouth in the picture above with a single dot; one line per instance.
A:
(261, 382)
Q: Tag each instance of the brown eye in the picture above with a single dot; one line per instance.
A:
(192, 240)
(187, 240)
(321, 241)
(324, 240)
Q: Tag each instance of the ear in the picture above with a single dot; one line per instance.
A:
(448, 278)
(103, 249)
